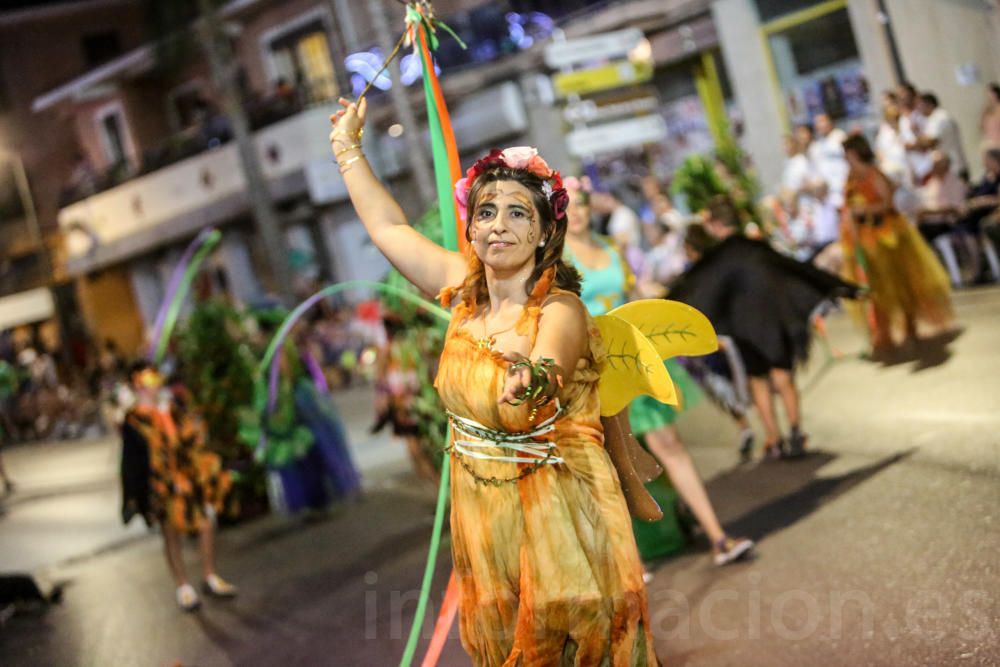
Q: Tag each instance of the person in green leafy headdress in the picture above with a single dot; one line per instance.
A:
(299, 437)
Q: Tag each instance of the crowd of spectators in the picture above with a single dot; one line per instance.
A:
(918, 146)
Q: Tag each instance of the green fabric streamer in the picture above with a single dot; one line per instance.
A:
(182, 291)
(446, 204)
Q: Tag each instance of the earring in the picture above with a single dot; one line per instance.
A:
(541, 244)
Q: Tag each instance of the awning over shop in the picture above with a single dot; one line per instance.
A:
(27, 307)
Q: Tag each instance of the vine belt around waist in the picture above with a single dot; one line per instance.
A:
(522, 447)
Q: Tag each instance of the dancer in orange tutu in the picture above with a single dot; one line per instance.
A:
(884, 251)
(544, 555)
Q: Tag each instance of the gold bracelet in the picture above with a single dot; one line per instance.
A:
(346, 164)
(346, 149)
(356, 135)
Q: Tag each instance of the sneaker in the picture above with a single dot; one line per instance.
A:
(187, 598)
(729, 550)
(797, 443)
(746, 445)
(218, 587)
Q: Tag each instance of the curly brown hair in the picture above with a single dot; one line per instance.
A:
(553, 232)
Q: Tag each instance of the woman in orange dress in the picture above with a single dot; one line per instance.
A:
(542, 543)
(884, 251)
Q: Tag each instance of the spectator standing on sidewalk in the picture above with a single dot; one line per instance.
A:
(827, 155)
(990, 122)
(798, 171)
(941, 133)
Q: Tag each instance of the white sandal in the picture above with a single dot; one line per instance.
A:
(187, 597)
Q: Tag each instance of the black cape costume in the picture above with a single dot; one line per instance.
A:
(759, 297)
(135, 475)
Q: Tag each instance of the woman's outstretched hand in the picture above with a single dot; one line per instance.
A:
(517, 380)
(348, 123)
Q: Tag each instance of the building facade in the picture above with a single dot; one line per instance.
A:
(155, 160)
(163, 165)
(40, 46)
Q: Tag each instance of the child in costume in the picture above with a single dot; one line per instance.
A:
(721, 374)
(544, 556)
(170, 478)
(763, 300)
(606, 285)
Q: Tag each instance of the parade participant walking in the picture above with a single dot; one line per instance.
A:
(763, 300)
(908, 285)
(169, 478)
(606, 285)
(542, 581)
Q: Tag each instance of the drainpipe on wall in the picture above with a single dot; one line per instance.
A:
(890, 40)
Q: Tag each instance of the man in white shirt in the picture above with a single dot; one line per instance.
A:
(941, 133)
(798, 171)
(827, 156)
(911, 127)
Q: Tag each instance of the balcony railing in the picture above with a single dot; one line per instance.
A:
(205, 188)
(215, 131)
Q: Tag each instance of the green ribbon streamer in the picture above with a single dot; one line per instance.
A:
(175, 308)
(446, 206)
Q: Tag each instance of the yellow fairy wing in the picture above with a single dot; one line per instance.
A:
(631, 367)
(673, 328)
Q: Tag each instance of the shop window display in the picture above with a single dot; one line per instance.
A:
(819, 70)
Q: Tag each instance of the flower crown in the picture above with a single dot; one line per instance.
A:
(517, 157)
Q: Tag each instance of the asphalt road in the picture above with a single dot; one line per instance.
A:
(879, 549)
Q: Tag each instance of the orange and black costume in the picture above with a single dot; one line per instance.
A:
(167, 472)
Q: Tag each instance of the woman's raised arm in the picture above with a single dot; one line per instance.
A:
(424, 263)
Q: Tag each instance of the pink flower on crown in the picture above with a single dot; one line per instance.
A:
(518, 157)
